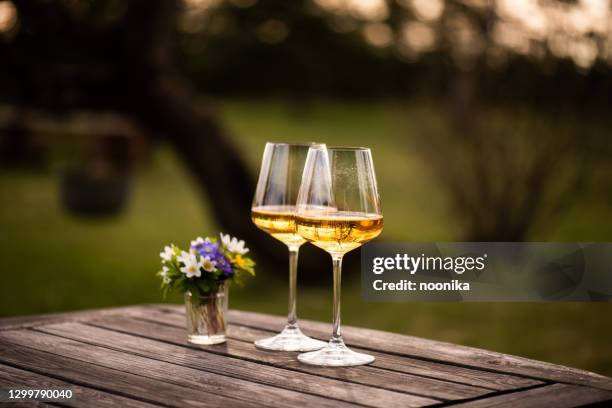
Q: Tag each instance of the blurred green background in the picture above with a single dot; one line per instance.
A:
(126, 125)
(54, 262)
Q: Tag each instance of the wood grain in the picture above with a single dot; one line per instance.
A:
(138, 357)
(205, 382)
(112, 380)
(485, 379)
(434, 350)
(11, 377)
(202, 359)
(31, 404)
(364, 375)
(555, 395)
(22, 322)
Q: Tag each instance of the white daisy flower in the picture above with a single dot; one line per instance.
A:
(233, 245)
(208, 264)
(192, 265)
(167, 254)
(183, 257)
(200, 240)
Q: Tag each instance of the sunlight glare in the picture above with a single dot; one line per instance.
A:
(369, 10)
(8, 16)
(428, 10)
(378, 34)
(418, 36)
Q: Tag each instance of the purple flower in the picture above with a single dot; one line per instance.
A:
(205, 247)
(211, 249)
(224, 264)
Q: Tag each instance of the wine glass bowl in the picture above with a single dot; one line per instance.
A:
(273, 211)
(338, 210)
(339, 232)
(279, 222)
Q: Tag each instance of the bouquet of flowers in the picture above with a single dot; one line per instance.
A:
(206, 265)
(203, 274)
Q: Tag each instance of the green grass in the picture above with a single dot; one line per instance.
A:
(52, 262)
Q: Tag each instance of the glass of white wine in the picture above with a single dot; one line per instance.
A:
(273, 211)
(338, 209)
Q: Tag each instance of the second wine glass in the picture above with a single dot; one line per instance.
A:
(273, 211)
(338, 210)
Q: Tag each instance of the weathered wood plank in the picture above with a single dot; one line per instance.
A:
(28, 404)
(201, 359)
(112, 380)
(20, 322)
(11, 377)
(454, 373)
(554, 395)
(206, 382)
(432, 350)
(393, 351)
(367, 376)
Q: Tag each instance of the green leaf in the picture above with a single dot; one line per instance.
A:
(204, 286)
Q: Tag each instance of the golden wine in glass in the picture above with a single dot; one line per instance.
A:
(273, 211)
(338, 210)
(278, 221)
(340, 232)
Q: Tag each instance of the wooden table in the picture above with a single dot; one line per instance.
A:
(138, 357)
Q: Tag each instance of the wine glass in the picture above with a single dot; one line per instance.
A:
(273, 211)
(338, 209)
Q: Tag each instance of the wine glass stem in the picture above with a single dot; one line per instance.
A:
(293, 265)
(337, 262)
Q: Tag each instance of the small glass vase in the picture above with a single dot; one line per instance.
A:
(206, 316)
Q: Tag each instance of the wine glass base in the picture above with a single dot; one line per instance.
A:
(335, 354)
(290, 339)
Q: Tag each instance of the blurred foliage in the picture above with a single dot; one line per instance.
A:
(54, 262)
(553, 52)
(488, 119)
(548, 53)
